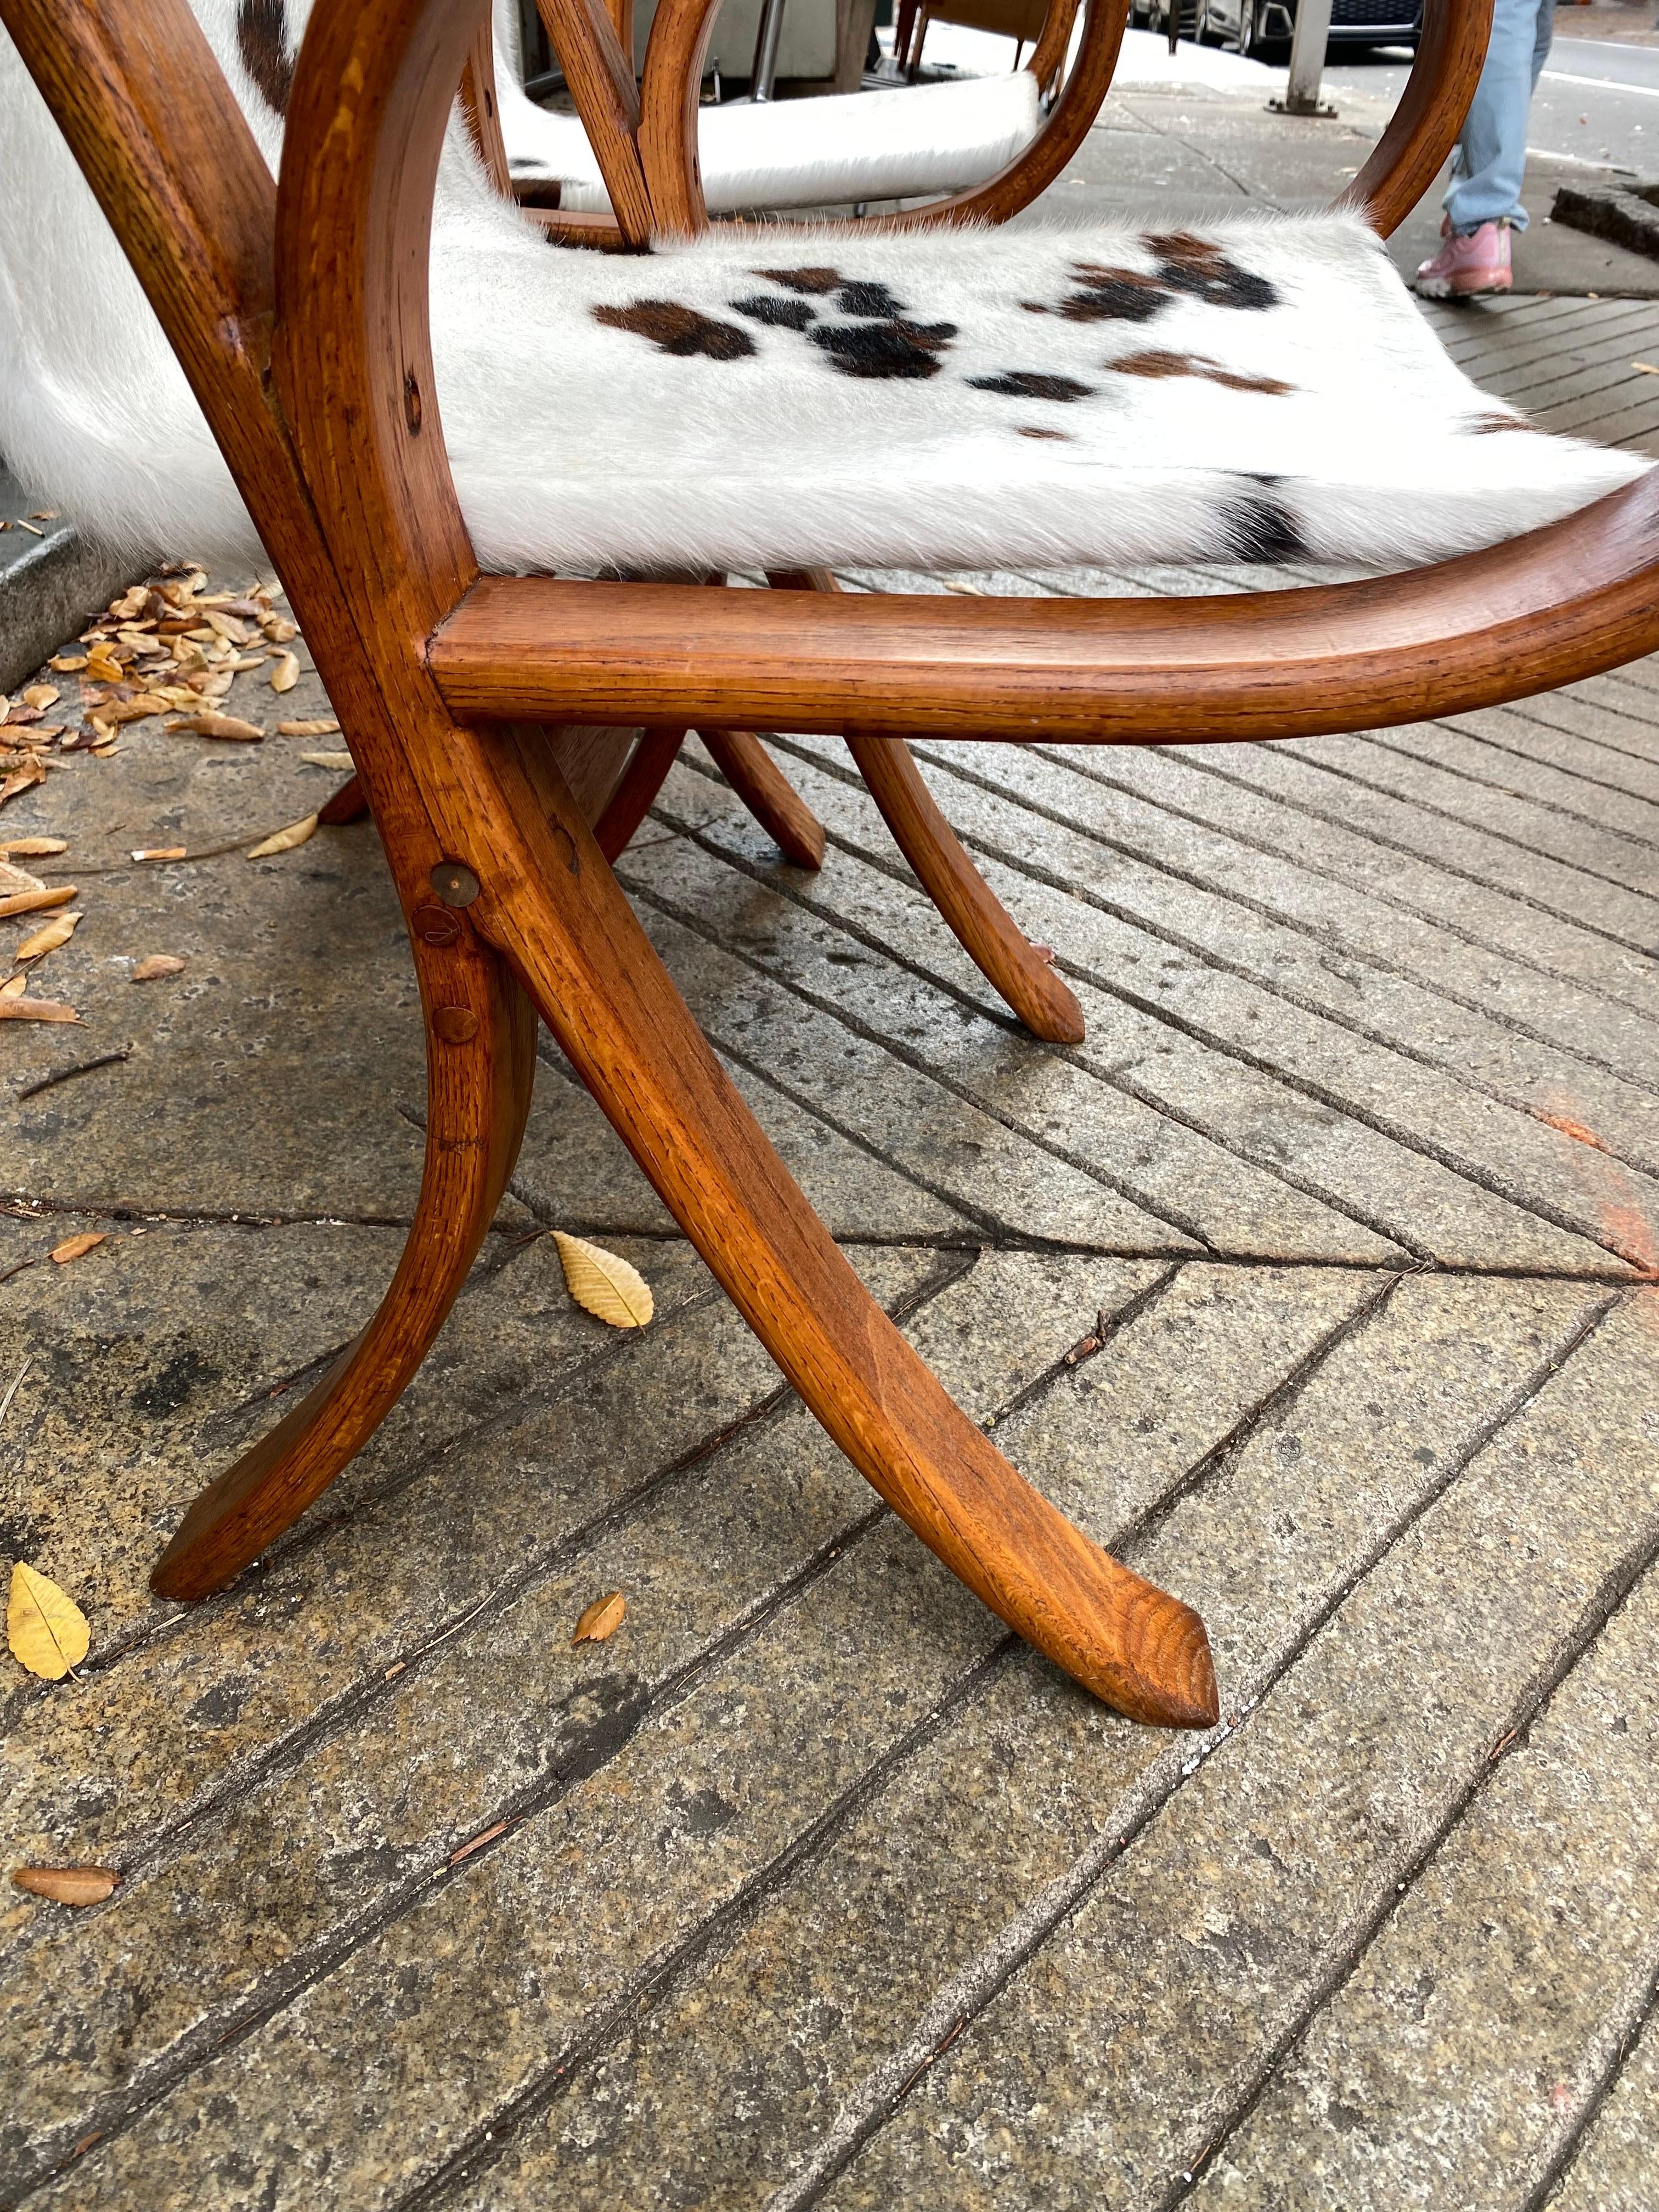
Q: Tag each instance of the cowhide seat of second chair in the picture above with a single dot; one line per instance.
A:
(390, 368)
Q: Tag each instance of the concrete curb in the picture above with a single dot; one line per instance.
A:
(48, 584)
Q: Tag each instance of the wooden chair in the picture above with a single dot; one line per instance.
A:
(821, 151)
(492, 717)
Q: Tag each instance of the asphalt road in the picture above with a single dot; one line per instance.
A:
(1597, 101)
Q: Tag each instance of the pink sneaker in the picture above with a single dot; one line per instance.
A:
(1465, 266)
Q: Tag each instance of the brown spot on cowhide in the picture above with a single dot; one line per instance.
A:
(674, 328)
(1482, 426)
(1156, 364)
(262, 41)
(1027, 431)
(816, 281)
(1028, 384)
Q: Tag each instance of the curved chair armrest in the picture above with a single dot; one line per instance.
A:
(674, 58)
(1423, 130)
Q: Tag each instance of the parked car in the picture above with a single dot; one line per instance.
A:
(1264, 26)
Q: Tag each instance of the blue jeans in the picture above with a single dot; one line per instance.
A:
(1492, 153)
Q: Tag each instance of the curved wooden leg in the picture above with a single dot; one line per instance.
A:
(775, 803)
(553, 907)
(976, 916)
(642, 778)
(481, 1046)
(982, 926)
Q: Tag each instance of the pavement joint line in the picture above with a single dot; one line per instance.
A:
(309, 1965)
(1111, 1078)
(1410, 1141)
(1575, 737)
(973, 1988)
(1604, 1603)
(1519, 708)
(1459, 932)
(1503, 836)
(1087, 896)
(1384, 743)
(488, 2142)
(1436, 861)
(1155, 1210)
(1560, 2164)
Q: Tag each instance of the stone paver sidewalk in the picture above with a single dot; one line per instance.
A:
(1319, 1282)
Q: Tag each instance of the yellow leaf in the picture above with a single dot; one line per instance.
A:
(326, 727)
(34, 848)
(14, 987)
(230, 726)
(37, 902)
(41, 695)
(336, 761)
(73, 1248)
(285, 840)
(150, 971)
(58, 931)
(35, 1010)
(285, 672)
(47, 1630)
(602, 1619)
(86, 1884)
(603, 1284)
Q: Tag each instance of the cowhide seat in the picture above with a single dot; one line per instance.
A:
(1264, 389)
(817, 152)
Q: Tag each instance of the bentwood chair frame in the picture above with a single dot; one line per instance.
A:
(491, 718)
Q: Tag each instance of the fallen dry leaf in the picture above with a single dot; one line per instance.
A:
(46, 1630)
(336, 761)
(35, 1010)
(285, 674)
(603, 1284)
(17, 879)
(219, 725)
(86, 1884)
(602, 1619)
(68, 664)
(73, 1248)
(227, 626)
(322, 728)
(35, 848)
(157, 964)
(284, 840)
(15, 985)
(58, 931)
(41, 695)
(22, 780)
(102, 666)
(1644, 368)
(37, 902)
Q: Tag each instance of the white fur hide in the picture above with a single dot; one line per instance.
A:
(913, 416)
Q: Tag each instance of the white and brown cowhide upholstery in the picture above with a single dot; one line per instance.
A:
(1262, 388)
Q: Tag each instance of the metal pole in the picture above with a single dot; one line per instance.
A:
(768, 32)
(1313, 29)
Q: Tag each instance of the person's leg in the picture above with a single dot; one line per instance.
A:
(1492, 152)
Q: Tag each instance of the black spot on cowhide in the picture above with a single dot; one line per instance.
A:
(1155, 364)
(1027, 384)
(815, 280)
(873, 301)
(1197, 266)
(891, 349)
(780, 314)
(262, 41)
(1194, 266)
(1259, 528)
(674, 328)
